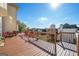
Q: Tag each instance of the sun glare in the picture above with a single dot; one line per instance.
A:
(55, 5)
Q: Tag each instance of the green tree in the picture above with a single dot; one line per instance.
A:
(21, 27)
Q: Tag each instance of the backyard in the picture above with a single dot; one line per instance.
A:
(41, 37)
(46, 38)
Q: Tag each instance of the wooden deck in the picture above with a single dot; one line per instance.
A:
(69, 49)
(17, 46)
(66, 50)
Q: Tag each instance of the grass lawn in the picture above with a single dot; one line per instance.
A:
(46, 38)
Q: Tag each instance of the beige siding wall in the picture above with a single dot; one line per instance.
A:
(9, 21)
(3, 9)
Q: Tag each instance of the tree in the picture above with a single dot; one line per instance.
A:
(66, 25)
(21, 27)
(43, 30)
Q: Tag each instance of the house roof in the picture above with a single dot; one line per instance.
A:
(68, 30)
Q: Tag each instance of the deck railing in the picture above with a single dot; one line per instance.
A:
(77, 42)
(48, 47)
(67, 37)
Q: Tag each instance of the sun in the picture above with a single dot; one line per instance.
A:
(55, 5)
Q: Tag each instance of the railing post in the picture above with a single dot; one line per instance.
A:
(77, 42)
(53, 37)
(55, 43)
(61, 37)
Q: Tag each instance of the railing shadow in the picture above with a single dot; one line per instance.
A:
(32, 42)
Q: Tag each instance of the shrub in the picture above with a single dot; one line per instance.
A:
(4, 34)
(1, 38)
(14, 33)
(26, 33)
(9, 34)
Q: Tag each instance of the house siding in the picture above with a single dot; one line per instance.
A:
(3, 9)
(9, 21)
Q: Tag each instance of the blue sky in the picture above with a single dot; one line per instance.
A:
(42, 15)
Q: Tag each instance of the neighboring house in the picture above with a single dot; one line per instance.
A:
(8, 21)
(68, 34)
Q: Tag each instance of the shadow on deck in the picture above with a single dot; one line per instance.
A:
(66, 50)
(16, 46)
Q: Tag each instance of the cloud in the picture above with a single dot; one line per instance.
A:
(67, 18)
(43, 20)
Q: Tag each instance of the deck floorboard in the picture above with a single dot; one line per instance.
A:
(60, 51)
(17, 46)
